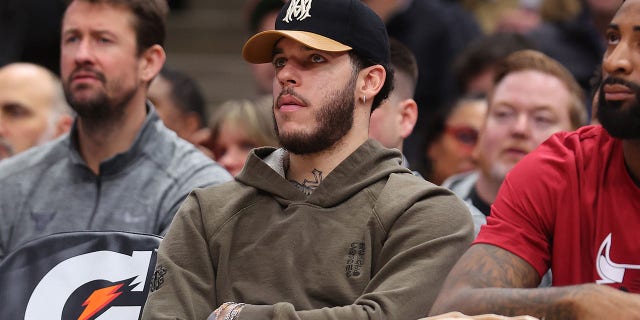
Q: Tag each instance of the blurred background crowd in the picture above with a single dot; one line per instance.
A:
(457, 44)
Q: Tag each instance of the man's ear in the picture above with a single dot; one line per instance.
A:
(371, 82)
(409, 113)
(63, 124)
(151, 62)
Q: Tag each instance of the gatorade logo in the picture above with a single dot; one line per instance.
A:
(98, 285)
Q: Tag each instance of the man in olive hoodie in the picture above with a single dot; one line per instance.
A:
(330, 226)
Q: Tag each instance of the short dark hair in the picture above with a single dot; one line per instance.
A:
(484, 53)
(258, 9)
(150, 19)
(359, 62)
(185, 93)
(404, 61)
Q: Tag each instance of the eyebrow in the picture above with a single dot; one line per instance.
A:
(13, 104)
(91, 32)
(616, 27)
(537, 107)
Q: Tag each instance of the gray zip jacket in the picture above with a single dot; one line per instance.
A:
(50, 189)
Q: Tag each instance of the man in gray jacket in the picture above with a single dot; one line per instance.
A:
(120, 168)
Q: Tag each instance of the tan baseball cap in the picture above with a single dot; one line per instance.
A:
(327, 25)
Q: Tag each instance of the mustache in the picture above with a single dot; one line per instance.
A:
(289, 91)
(615, 80)
(97, 73)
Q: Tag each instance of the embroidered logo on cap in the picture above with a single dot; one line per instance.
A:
(298, 9)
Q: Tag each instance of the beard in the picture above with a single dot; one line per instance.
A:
(334, 120)
(100, 107)
(620, 118)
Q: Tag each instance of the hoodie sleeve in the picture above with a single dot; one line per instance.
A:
(183, 284)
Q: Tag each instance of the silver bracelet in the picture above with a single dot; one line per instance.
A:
(237, 307)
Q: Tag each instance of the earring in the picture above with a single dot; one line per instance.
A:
(364, 99)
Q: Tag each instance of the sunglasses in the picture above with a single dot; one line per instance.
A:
(466, 135)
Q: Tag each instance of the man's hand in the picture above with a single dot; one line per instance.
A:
(227, 311)
(594, 301)
(458, 315)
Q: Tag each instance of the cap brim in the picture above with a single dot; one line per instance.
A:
(259, 48)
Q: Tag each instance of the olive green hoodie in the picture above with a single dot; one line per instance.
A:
(373, 241)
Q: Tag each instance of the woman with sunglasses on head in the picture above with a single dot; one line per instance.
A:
(453, 141)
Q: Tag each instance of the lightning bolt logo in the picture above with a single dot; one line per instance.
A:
(98, 300)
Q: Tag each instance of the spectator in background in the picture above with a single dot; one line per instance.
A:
(237, 126)
(501, 16)
(180, 104)
(119, 168)
(571, 205)
(453, 139)
(262, 16)
(394, 119)
(573, 33)
(436, 32)
(520, 19)
(474, 68)
(234, 128)
(534, 97)
(33, 109)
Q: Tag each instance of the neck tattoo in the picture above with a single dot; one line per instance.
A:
(307, 187)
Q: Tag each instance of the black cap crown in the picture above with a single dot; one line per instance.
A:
(328, 25)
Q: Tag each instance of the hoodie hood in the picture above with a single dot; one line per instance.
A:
(369, 164)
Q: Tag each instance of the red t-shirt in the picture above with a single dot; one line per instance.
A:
(572, 206)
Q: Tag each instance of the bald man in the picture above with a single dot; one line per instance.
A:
(33, 109)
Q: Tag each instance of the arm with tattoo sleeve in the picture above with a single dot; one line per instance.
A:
(488, 279)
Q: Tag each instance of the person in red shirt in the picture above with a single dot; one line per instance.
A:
(572, 206)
